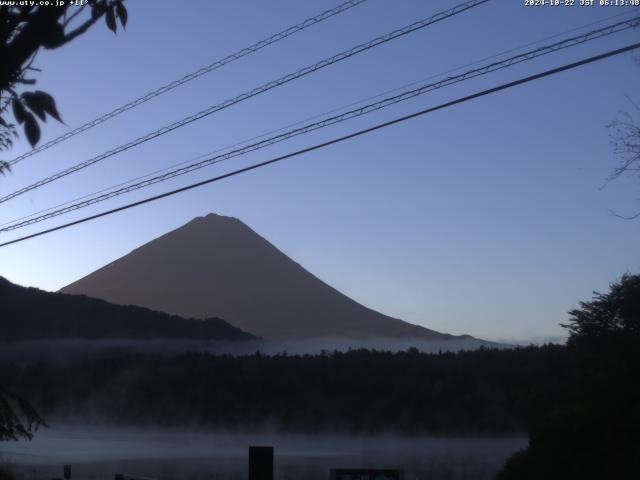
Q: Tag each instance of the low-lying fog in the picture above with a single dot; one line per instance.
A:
(80, 348)
(99, 453)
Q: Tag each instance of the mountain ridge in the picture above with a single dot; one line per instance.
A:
(32, 314)
(218, 266)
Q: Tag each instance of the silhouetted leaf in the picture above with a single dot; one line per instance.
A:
(4, 167)
(47, 103)
(52, 35)
(97, 8)
(110, 18)
(122, 13)
(33, 102)
(31, 129)
(19, 111)
(3, 123)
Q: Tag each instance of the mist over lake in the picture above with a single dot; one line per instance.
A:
(70, 349)
(98, 452)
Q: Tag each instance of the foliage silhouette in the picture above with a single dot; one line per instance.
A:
(25, 28)
(592, 430)
(18, 419)
(611, 316)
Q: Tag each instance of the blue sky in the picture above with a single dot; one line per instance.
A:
(486, 218)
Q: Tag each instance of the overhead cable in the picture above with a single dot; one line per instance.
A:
(252, 93)
(350, 136)
(372, 107)
(192, 76)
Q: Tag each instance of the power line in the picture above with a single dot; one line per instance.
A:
(451, 103)
(256, 91)
(526, 56)
(314, 117)
(193, 75)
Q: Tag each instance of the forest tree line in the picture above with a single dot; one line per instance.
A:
(485, 391)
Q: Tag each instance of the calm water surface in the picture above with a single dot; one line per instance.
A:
(99, 453)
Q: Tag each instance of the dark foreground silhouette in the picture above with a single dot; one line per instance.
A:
(487, 391)
(32, 314)
(592, 427)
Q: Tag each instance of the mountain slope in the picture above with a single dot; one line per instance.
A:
(218, 266)
(32, 314)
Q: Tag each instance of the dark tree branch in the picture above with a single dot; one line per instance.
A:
(75, 33)
(18, 418)
(74, 15)
(24, 30)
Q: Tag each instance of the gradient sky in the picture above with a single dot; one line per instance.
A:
(486, 218)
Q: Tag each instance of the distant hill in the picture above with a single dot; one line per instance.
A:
(32, 314)
(218, 266)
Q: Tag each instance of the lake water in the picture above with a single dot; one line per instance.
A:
(99, 453)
